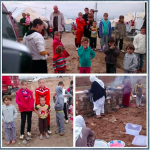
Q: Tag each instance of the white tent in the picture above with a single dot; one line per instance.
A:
(139, 20)
(69, 21)
(33, 15)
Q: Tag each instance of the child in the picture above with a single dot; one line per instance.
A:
(65, 92)
(85, 55)
(59, 105)
(130, 60)
(93, 38)
(70, 90)
(42, 110)
(138, 92)
(25, 101)
(59, 60)
(104, 30)
(120, 32)
(140, 48)
(112, 53)
(9, 114)
(50, 32)
(43, 91)
(80, 28)
(57, 42)
(28, 18)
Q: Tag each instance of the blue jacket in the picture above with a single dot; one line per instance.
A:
(101, 25)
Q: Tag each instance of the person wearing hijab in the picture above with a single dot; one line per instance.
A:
(99, 93)
(84, 137)
(127, 89)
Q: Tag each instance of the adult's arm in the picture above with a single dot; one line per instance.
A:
(100, 29)
(51, 20)
(62, 20)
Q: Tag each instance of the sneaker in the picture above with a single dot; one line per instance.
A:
(21, 137)
(61, 134)
(66, 121)
(49, 132)
(41, 137)
(47, 136)
(122, 51)
(29, 133)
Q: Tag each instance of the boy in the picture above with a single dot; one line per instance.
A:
(93, 39)
(59, 60)
(42, 110)
(104, 30)
(140, 48)
(112, 53)
(70, 90)
(85, 55)
(138, 92)
(130, 60)
(59, 105)
(43, 91)
(120, 32)
(65, 92)
(9, 114)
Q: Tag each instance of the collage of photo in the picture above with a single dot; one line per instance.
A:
(74, 74)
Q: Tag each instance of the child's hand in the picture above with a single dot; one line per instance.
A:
(112, 47)
(64, 95)
(84, 47)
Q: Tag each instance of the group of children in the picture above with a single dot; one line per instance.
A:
(41, 106)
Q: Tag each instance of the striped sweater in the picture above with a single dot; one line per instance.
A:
(59, 62)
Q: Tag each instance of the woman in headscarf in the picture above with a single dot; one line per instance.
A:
(99, 93)
(84, 136)
(127, 89)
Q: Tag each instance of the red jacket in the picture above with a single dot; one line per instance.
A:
(25, 104)
(55, 44)
(45, 92)
(80, 24)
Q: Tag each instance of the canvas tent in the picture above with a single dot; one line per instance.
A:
(139, 20)
(33, 15)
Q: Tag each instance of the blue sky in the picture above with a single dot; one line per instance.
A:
(70, 9)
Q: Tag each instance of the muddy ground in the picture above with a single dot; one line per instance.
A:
(55, 140)
(108, 131)
(98, 63)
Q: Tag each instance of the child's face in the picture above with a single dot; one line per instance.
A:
(72, 85)
(57, 36)
(24, 85)
(105, 17)
(91, 11)
(140, 82)
(84, 44)
(62, 86)
(42, 101)
(122, 19)
(94, 24)
(143, 31)
(80, 16)
(129, 51)
(41, 83)
(28, 15)
(86, 11)
(7, 102)
(111, 43)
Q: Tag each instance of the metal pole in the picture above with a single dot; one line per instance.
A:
(96, 11)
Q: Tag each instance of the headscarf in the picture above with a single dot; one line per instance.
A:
(80, 123)
(94, 78)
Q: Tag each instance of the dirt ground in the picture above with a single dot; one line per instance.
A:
(109, 131)
(98, 63)
(55, 139)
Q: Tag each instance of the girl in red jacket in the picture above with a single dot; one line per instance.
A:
(57, 42)
(25, 101)
(80, 28)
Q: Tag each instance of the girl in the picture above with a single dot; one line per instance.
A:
(25, 101)
(42, 110)
(138, 92)
(84, 136)
(127, 88)
(57, 42)
(59, 60)
(9, 114)
(85, 55)
(80, 28)
(99, 94)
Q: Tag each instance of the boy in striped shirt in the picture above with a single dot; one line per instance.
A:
(59, 60)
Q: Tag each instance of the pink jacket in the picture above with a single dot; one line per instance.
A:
(25, 104)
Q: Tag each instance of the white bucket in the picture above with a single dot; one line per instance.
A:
(139, 140)
(133, 129)
(100, 143)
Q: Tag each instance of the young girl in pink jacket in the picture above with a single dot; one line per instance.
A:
(25, 101)
(57, 42)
